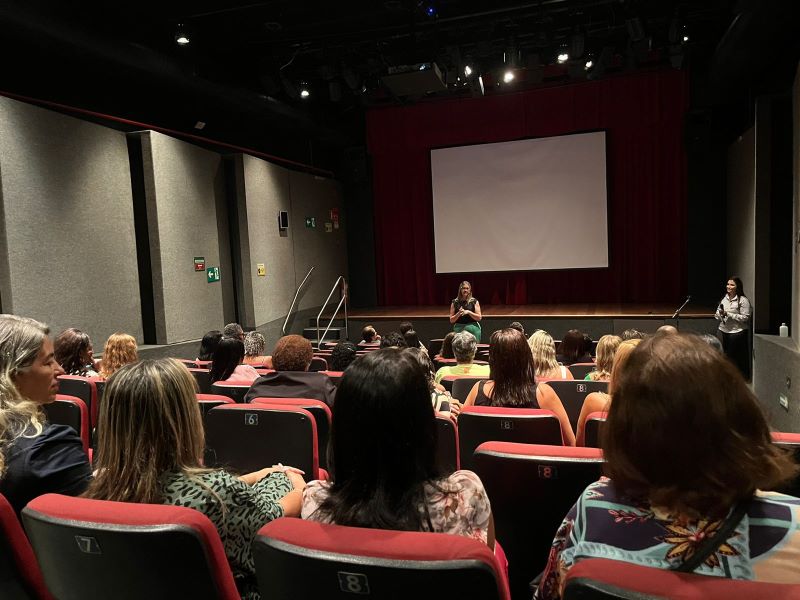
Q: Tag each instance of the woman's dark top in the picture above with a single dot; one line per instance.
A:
(466, 305)
(52, 462)
(483, 400)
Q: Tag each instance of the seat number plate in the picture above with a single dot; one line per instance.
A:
(353, 583)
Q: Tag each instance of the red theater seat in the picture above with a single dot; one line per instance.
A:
(581, 370)
(461, 385)
(603, 579)
(84, 388)
(791, 442)
(572, 393)
(305, 559)
(71, 411)
(209, 401)
(592, 429)
(203, 379)
(532, 487)
(447, 445)
(20, 577)
(237, 391)
(97, 550)
(318, 363)
(335, 376)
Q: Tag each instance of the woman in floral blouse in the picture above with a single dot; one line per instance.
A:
(686, 446)
(382, 458)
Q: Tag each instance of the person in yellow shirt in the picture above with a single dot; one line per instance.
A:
(464, 348)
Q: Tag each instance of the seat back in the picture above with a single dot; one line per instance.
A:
(447, 445)
(245, 438)
(189, 364)
(20, 577)
(791, 442)
(95, 550)
(462, 385)
(581, 370)
(435, 346)
(209, 401)
(305, 559)
(604, 579)
(572, 394)
(335, 376)
(593, 428)
(70, 411)
(478, 424)
(531, 488)
(318, 363)
(322, 418)
(203, 379)
(83, 388)
(237, 391)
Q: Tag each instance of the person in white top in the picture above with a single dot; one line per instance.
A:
(733, 313)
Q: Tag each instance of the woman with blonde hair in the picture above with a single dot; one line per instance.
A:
(119, 351)
(606, 348)
(150, 450)
(36, 457)
(543, 351)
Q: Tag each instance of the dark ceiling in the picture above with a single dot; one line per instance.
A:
(246, 62)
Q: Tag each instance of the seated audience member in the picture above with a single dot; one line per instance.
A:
(512, 383)
(666, 330)
(393, 340)
(440, 398)
(543, 354)
(233, 330)
(518, 326)
(712, 341)
(447, 346)
(74, 352)
(119, 351)
(209, 344)
(464, 347)
(632, 334)
(606, 348)
(369, 337)
(150, 450)
(292, 379)
(405, 328)
(383, 468)
(254, 344)
(687, 452)
(573, 348)
(342, 355)
(36, 457)
(599, 401)
(227, 366)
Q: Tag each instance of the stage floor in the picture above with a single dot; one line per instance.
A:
(540, 311)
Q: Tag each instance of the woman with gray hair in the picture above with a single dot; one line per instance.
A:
(254, 344)
(464, 347)
(36, 457)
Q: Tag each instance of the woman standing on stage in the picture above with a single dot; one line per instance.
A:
(733, 314)
(465, 311)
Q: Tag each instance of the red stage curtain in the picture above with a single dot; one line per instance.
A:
(643, 117)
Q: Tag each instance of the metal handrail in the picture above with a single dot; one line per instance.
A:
(296, 292)
(341, 280)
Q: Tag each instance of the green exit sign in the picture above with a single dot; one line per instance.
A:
(311, 222)
(212, 273)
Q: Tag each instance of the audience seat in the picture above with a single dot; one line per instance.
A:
(581, 370)
(791, 442)
(318, 363)
(81, 387)
(209, 401)
(604, 579)
(592, 428)
(434, 347)
(96, 550)
(461, 385)
(203, 379)
(478, 424)
(531, 488)
(20, 577)
(237, 391)
(572, 394)
(190, 364)
(322, 418)
(246, 437)
(306, 559)
(335, 376)
(71, 411)
(447, 444)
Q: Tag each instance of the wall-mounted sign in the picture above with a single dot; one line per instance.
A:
(311, 222)
(328, 227)
(212, 274)
(335, 217)
(199, 263)
(262, 269)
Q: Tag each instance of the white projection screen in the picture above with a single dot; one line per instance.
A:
(520, 206)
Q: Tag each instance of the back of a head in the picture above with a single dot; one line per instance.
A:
(120, 350)
(606, 349)
(447, 346)
(621, 359)
(411, 338)
(393, 339)
(149, 424)
(425, 363)
(464, 346)
(382, 444)
(712, 341)
(292, 353)
(511, 369)
(685, 432)
(572, 345)
(518, 326)
(343, 354)
(404, 327)
(228, 356)
(666, 330)
(233, 330)
(368, 334)
(543, 352)
(70, 348)
(632, 334)
(254, 344)
(208, 344)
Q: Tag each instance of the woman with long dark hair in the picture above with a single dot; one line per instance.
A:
(74, 352)
(209, 344)
(573, 348)
(733, 313)
(227, 365)
(512, 381)
(383, 457)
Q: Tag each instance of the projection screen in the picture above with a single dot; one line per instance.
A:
(523, 205)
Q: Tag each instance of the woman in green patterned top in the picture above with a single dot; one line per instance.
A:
(150, 450)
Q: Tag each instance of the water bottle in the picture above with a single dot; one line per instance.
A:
(783, 330)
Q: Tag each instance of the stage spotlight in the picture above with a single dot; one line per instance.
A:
(182, 36)
(304, 93)
(563, 56)
(467, 70)
(508, 76)
(685, 38)
(589, 64)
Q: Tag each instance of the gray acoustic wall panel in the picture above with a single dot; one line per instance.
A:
(183, 187)
(741, 213)
(67, 241)
(314, 197)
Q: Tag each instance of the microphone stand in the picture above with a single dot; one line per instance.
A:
(677, 314)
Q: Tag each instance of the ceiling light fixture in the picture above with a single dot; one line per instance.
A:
(181, 35)
(304, 93)
(563, 57)
(467, 70)
(508, 76)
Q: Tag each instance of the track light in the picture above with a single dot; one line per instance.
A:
(508, 76)
(182, 35)
(563, 56)
(589, 64)
(304, 93)
(467, 70)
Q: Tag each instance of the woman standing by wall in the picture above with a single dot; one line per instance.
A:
(733, 314)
